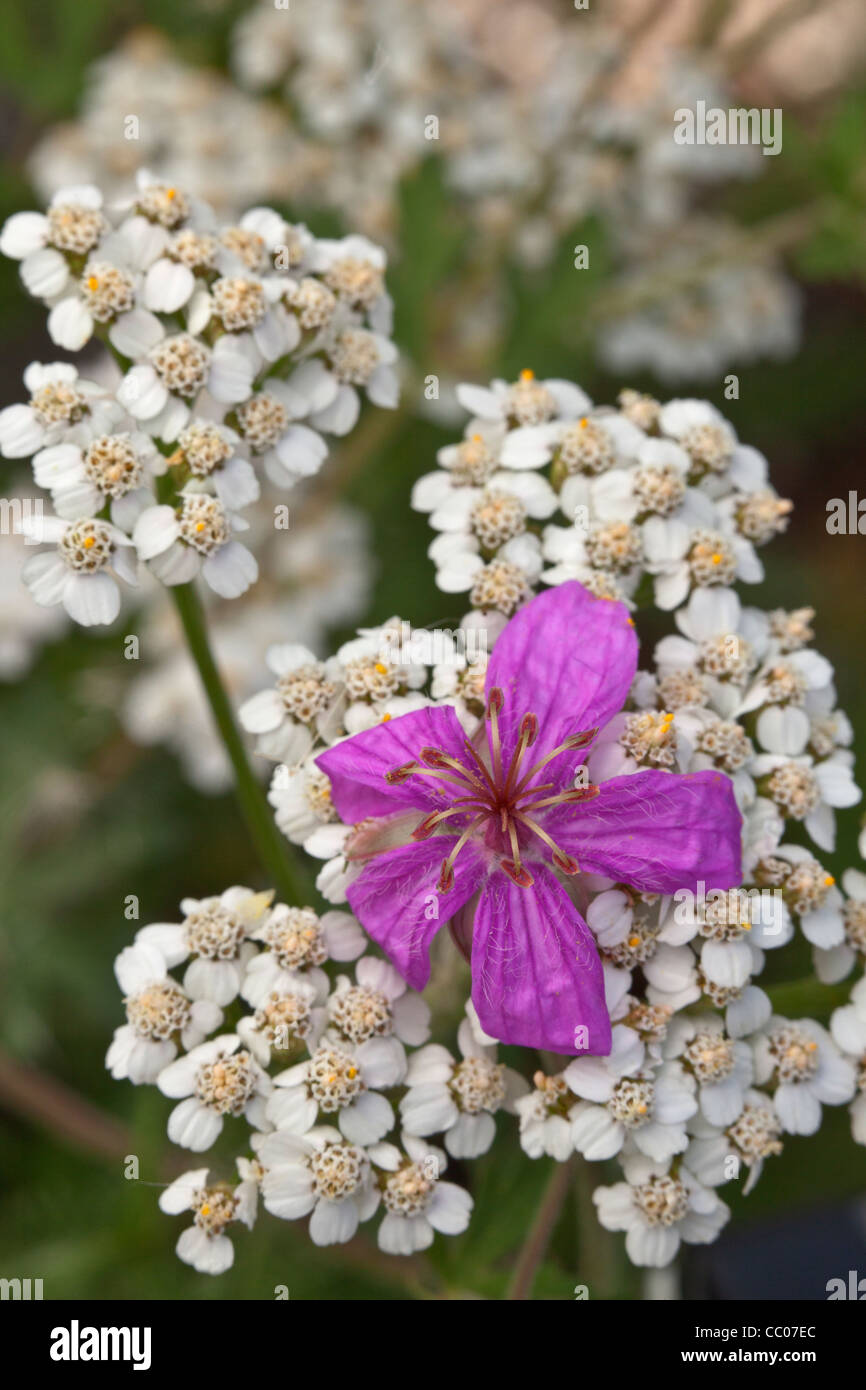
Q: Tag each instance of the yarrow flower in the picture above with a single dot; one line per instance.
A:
(218, 375)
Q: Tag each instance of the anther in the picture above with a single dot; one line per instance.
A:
(495, 702)
(517, 873)
(529, 729)
(400, 774)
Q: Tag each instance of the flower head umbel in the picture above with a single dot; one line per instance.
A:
(491, 834)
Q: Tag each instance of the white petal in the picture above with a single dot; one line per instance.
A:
(450, 1208)
(784, 730)
(797, 1108)
(341, 415)
(20, 432)
(333, 1223)
(91, 599)
(135, 333)
(23, 233)
(207, 1254)
(45, 576)
(176, 1197)
(167, 286)
(45, 273)
(142, 393)
(367, 1120)
(231, 570)
(193, 1126)
(428, 1109)
(231, 375)
(70, 324)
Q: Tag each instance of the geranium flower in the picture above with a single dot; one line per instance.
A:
(492, 837)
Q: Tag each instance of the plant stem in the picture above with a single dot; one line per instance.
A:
(540, 1232)
(269, 843)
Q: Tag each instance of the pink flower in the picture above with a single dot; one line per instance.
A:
(492, 833)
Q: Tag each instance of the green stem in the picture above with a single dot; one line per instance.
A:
(269, 843)
(535, 1246)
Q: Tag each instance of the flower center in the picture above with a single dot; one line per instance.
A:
(711, 1057)
(495, 803)
(757, 1133)
(107, 291)
(214, 932)
(248, 246)
(662, 1201)
(111, 463)
(283, 1019)
(334, 1079)
(355, 356)
(312, 301)
(296, 938)
(203, 523)
(160, 203)
(86, 546)
(262, 420)
(361, 1013)
(305, 692)
(338, 1171)
(239, 303)
(214, 1209)
(227, 1084)
(158, 1011)
(632, 1101)
(204, 447)
(75, 228)
(478, 1084)
(358, 281)
(182, 363)
(586, 448)
(196, 250)
(794, 1053)
(58, 403)
(854, 913)
(408, 1192)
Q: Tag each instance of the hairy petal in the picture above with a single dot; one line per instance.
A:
(536, 975)
(657, 831)
(568, 657)
(396, 900)
(358, 765)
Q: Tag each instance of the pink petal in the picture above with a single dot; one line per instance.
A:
(536, 975)
(396, 900)
(569, 658)
(656, 831)
(358, 765)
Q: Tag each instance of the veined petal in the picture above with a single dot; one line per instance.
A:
(570, 659)
(657, 831)
(536, 975)
(397, 901)
(358, 765)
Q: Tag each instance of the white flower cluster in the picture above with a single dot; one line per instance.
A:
(322, 1069)
(704, 1078)
(238, 347)
(528, 112)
